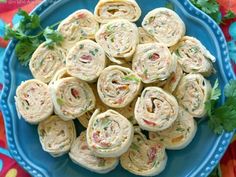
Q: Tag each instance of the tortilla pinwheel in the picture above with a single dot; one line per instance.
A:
(192, 93)
(84, 157)
(107, 10)
(144, 157)
(180, 134)
(33, 101)
(109, 134)
(71, 97)
(119, 39)
(155, 109)
(86, 60)
(164, 25)
(56, 135)
(193, 56)
(78, 26)
(153, 62)
(45, 62)
(118, 86)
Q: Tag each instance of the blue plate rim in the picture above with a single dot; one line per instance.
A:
(222, 142)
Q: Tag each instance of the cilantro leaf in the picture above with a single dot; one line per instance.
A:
(230, 89)
(216, 92)
(27, 44)
(229, 15)
(223, 117)
(52, 37)
(25, 48)
(28, 22)
(210, 7)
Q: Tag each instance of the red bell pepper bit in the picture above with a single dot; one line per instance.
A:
(149, 122)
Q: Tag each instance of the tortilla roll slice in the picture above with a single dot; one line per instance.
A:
(144, 157)
(155, 109)
(193, 56)
(33, 101)
(192, 93)
(180, 134)
(78, 26)
(164, 25)
(153, 62)
(62, 73)
(128, 111)
(109, 134)
(119, 39)
(107, 10)
(145, 37)
(118, 86)
(71, 97)
(173, 81)
(56, 135)
(84, 119)
(45, 62)
(86, 60)
(84, 157)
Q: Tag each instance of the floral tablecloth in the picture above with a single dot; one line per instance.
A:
(8, 9)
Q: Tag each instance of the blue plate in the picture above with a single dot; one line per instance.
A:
(198, 159)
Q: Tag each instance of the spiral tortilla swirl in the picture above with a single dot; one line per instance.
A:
(45, 62)
(33, 101)
(155, 109)
(144, 157)
(193, 56)
(164, 25)
(71, 97)
(56, 135)
(192, 93)
(83, 156)
(145, 37)
(153, 62)
(86, 60)
(117, 86)
(84, 119)
(180, 134)
(78, 26)
(109, 134)
(107, 10)
(119, 39)
(173, 81)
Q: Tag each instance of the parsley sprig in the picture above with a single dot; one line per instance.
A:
(28, 43)
(223, 117)
(211, 7)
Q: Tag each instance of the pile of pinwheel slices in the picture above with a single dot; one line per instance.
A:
(118, 79)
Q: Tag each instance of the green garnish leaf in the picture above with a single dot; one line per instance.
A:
(230, 89)
(215, 92)
(222, 118)
(27, 44)
(25, 48)
(210, 7)
(52, 37)
(229, 15)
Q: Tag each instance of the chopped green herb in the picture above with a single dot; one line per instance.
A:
(131, 78)
(134, 146)
(145, 72)
(60, 101)
(27, 44)
(92, 52)
(229, 15)
(177, 53)
(81, 46)
(179, 129)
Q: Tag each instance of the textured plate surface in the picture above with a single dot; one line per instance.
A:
(198, 159)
